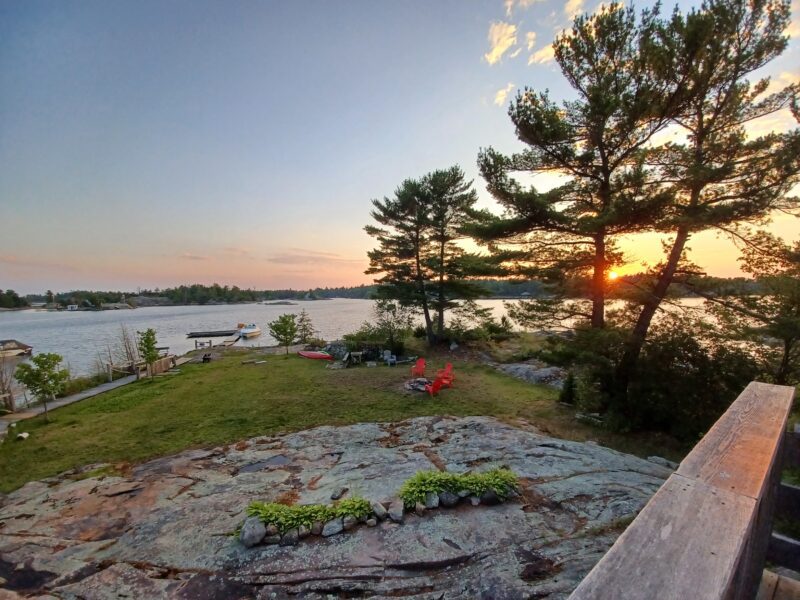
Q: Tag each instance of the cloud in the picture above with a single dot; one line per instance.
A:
(502, 94)
(502, 37)
(300, 256)
(236, 251)
(542, 56)
(190, 256)
(530, 39)
(523, 4)
(572, 8)
(515, 53)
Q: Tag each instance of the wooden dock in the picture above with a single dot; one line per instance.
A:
(211, 334)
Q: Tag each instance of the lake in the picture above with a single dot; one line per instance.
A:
(81, 336)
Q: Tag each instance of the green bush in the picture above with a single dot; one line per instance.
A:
(503, 481)
(288, 517)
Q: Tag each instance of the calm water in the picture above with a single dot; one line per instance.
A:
(81, 336)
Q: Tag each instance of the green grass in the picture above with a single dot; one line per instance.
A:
(225, 401)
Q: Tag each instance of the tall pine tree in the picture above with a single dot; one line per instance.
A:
(720, 176)
(418, 259)
(597, 141)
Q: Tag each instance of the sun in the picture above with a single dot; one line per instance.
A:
(613, 275)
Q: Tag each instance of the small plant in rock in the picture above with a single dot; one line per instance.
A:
(289, 517)
(503, 481)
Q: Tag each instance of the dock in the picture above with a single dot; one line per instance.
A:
(211, 334)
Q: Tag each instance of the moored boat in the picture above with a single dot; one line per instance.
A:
(315, 355)
(249, 330)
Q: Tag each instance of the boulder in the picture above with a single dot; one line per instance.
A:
(332, 527)
(349, 521)
(290, 538)
(338, 493)
(431, 500)
(272, 539)
(379, 510)
(490, 497)
(372, 522)
(396, 510)
(273, 529)
(303, 532)
(316, 528)
(474, 500)
(253, 531)
(419, 509)
(448, 499)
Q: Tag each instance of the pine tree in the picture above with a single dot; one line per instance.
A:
(418, 260)
(719, 177)
(597, 140)
(305, 328)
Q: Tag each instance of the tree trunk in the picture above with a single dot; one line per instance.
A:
(633, 348)
(782, 374)
(440, 324)
(599, 283)
(44, 402)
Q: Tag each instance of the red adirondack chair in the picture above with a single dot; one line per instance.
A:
(418, 370)
(433, 388)
(446, 375)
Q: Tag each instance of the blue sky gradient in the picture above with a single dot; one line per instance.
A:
(154, 143)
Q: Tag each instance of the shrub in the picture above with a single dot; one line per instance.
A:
(288, 517)
(502, 481)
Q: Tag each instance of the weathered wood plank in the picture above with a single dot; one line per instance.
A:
(686, 543)
(784, 551)
(739, 451)
(769, 583)
(788, 589)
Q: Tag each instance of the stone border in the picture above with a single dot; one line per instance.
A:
(254, 531)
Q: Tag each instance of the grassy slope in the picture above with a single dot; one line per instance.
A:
(225, 401)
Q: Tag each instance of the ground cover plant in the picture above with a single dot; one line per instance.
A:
(286, 517)
(413, 490)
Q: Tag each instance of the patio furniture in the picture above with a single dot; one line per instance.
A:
(418, 370)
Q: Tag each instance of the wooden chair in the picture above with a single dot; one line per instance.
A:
(418, 370)
(433, 388)
(446, 375)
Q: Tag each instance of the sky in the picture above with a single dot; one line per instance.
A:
(147, 144)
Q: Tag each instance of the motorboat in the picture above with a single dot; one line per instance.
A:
(249, 330)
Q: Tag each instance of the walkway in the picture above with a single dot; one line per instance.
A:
(38, 409)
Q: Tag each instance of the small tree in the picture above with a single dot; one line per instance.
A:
(394, 322)
(6, 384)
(147, 348)
(305, 328)
(284, 330)
(43, 377)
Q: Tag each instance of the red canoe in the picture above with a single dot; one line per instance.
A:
(316, 355)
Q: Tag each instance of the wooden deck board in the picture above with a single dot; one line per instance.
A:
(738, 451)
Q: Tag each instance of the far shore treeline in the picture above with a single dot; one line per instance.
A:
(223, 294)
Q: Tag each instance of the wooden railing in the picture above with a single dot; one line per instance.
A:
(705, 533)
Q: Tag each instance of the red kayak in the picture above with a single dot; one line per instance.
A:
(315, 355)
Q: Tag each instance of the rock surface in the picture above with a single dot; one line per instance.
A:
(163, 529)
(534, 371)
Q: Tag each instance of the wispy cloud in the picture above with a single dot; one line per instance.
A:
(300, 256)
(572, 8)
(502, 94)
(510, 4)
(190, 256)
(542, 56)
(502, 37)
(236, 251)
(530, 39)
(515, 53)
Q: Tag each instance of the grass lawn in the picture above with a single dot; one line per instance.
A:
(225, 401)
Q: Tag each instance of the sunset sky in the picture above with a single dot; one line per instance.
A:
(151, 143)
